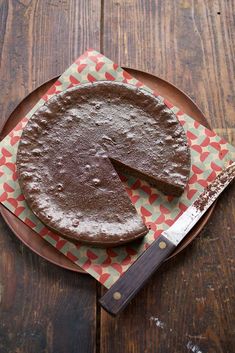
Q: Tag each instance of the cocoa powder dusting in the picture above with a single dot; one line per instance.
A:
(212, 191)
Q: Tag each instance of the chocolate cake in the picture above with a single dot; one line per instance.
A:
(73, 146)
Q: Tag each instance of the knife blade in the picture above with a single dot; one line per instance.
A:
(125, 288)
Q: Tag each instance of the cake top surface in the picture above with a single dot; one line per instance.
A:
(70, 150)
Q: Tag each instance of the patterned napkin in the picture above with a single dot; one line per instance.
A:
(209, 152)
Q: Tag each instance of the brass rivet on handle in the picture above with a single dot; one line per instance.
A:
(162, 245)
(117, 295)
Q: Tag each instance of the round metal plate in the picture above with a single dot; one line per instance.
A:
(26, 234)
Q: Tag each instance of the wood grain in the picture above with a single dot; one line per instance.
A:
(189, 305)
(39, 40)
(43, 309)
(125, 289)
(189, 43)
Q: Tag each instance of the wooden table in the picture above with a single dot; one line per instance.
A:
(189, 305)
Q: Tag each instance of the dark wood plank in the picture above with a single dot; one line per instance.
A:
(189, 305)
(39, 40)
(189, 43)
(43, 309)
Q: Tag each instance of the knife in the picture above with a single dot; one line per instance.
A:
(126, 287)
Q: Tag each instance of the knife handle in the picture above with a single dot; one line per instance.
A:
(125, 288)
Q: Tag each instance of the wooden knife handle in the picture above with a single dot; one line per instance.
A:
(120, 294)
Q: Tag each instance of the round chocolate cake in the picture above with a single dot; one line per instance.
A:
(73, 146)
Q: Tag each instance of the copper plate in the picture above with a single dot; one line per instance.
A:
(31, 238)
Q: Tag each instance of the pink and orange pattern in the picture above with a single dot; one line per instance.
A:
(210, 153)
